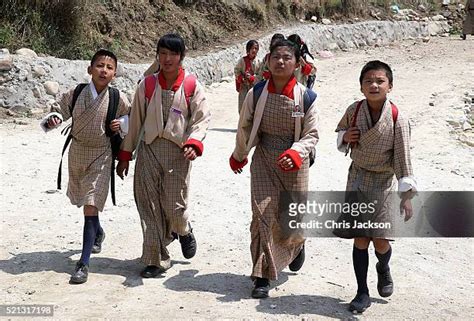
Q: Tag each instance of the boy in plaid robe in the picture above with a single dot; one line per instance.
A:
(90, 153)
(379, 140)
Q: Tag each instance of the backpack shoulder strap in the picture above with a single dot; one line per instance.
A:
(189, 84)
(394, 112)
(257, 91)
(309, 97)
(68, 129)
(75, 95)
(114, 98)
(354, 117)
(150, 84)
(359, 104)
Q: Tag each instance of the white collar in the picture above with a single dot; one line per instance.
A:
(93, 90)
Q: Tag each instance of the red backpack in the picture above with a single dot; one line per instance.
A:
(189, 87)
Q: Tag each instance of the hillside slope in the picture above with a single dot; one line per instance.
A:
(74, 29)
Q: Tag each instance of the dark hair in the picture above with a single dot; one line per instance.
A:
(304, 50)
(173, 42)
(104, 53)
(276, 37)
(376, 65)
(286, 43)
(295, 38)
(250, 44)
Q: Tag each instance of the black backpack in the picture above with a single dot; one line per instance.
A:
(309, 97)
(115, 139)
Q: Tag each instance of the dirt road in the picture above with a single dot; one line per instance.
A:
(41, 232)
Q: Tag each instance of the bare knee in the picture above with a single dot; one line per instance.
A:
(361, 242)
(90, 210)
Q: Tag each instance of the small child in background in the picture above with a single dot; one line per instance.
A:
(263, 69)
(306, 73)
(245, 71)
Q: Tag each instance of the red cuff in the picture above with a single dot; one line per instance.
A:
(124, 156)
(306, 70)
(252, 79)
(235, 164)
(238, 82)
(295, 158)
(266, 74)
(196, 144)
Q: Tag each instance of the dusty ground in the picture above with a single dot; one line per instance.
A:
(41, 232)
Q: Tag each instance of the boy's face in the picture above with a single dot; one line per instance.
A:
(282, 62)
(103, 70)
(253, 51)
(169, 60)
(375, 85)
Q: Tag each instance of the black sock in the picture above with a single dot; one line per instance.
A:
(383, 260)
(259, 282)
(100, 231)
(88, 237)
(360, 260)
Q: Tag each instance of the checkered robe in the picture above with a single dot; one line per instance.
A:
(90, 153)
(245, 87)
(271, 250)
(263, 67)
(161, 193)
(300, 76)
(468, 25)
(382, 153)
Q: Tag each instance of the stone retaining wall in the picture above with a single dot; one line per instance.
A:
(30, 84)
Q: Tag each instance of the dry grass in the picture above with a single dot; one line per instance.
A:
(76, 28)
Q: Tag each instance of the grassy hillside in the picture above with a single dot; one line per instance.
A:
(76, 28)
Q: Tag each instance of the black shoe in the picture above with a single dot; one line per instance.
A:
(297, 263)
(261, 289)
(463, 36)
(360, 303)
(97, 247)
(151, 271)
(80, 274)
(188, 244)
(174, 235)
(384, 282)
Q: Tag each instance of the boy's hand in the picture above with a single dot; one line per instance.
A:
(352, 135)
(115, 125)
(405, 204)
(285, 163)
(122, 167)
(190, 153)
(237, 166)
(406, 208)
(53, 122)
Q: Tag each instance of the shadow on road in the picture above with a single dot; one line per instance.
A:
(61, 262)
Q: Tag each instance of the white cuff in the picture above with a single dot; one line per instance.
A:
(45, 119)
(407, 183)
(123, 125)
(341, 146)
